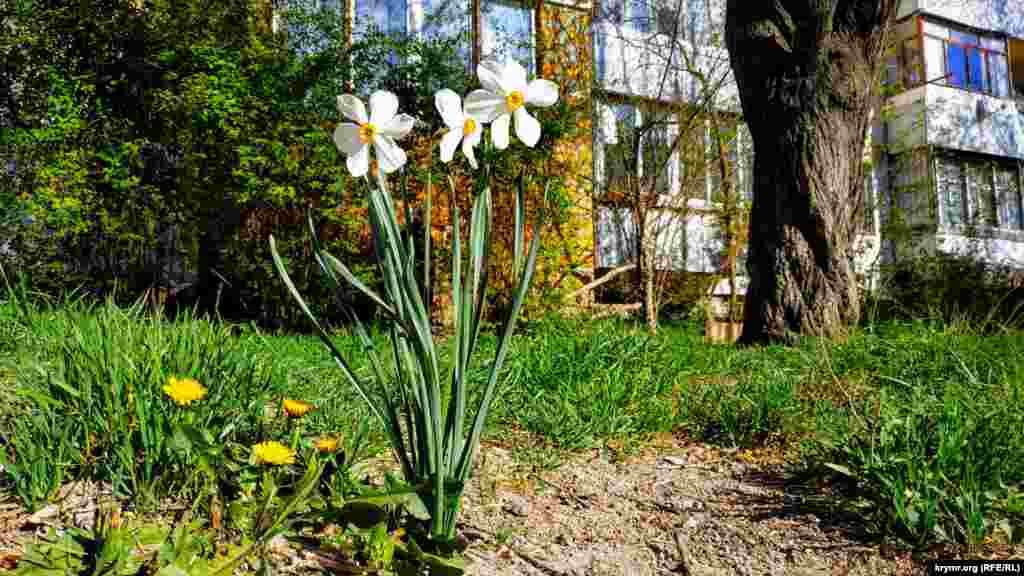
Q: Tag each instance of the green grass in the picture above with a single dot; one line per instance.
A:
(925, 422)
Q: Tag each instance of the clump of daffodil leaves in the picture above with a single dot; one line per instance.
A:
(421, 403)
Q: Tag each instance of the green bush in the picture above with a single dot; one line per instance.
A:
(169, 164)
(950, 289)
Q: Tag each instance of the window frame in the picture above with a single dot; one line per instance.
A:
(531, 17)
(987, 57)
(741, 158)
(667, 131)
(975, 212)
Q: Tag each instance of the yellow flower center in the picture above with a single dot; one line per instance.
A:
(514, 100)
(468, 127)
(367, 132)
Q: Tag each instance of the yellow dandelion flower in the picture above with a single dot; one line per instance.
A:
(273, 453)
(296, 408)
(184, 391)
(327, 444)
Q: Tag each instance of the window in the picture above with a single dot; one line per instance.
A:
(739, 156)
(616, 236)
(687, 18)
(867, 222)
(507, 32)
(656, 151)
(633, 14)
(1008, 197)
(389, 16)
(966, 60)
(619, 129)
(950, 183)
(690, 168)
(979, 191)
(693, 161)
(443, 18)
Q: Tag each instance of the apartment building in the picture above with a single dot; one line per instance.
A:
(949, 143)
(662, 68)
(946, 150)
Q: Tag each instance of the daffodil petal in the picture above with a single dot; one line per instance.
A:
(499, 131)
(449, 106)
(449, 142)
(489, 72)
(513, 77)
(542, 92)
(398, 127)
(352, 108)
(390, 156)
(383, 107)
(346, 138)
(359, 163)
(467, 151)
(484, 106)
(527, 127)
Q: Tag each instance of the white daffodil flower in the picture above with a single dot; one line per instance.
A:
(381, 128)
(461, 127)
(504, 96)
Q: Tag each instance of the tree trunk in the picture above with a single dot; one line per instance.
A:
(650, 288)
(807, 76)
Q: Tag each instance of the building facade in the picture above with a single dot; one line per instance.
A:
(949, 143)
(946, 150)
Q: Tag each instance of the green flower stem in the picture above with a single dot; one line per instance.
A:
(424, 415)
(295, 433)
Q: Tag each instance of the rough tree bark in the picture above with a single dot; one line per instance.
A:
(806, 72)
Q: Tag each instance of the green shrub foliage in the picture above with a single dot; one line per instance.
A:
(159, 148)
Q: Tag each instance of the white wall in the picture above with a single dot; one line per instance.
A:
(995, 250)
(962, 120)
(1001, 15)
(645, 64)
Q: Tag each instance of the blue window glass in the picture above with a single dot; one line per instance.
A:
(999, 74)
(640, 15)
(507, 33)
(389, 16)
(696, 21)
(956, 65)
(976, 77)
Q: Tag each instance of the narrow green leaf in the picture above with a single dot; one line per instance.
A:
(351, 278)
(427, 223)
(517, 242)
(526, 275)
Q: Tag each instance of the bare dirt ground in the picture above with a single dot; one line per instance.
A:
(670, 507)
